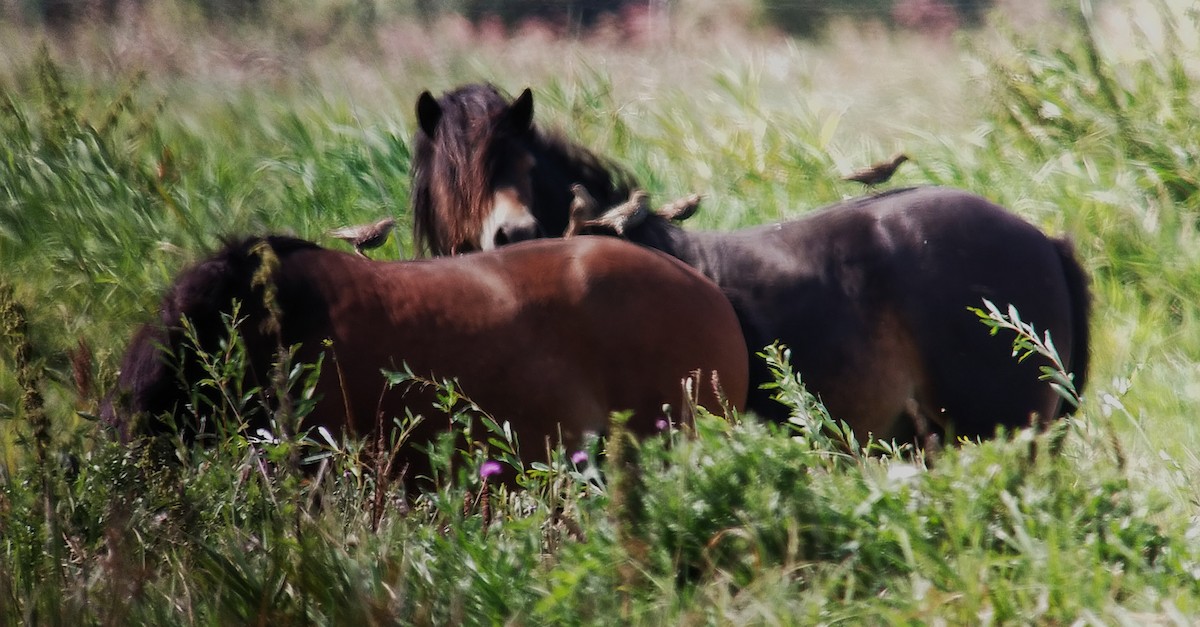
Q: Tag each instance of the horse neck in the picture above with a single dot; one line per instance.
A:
(692, 248)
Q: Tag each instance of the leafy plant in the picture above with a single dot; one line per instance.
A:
(1026, 343)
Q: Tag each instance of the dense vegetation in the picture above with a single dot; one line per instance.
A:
(128, 151)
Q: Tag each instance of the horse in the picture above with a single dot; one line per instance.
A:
(870, 295)
(552, 336)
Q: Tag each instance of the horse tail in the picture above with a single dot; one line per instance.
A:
(1081, 310)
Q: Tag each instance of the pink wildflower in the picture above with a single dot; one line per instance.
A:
(489, 468)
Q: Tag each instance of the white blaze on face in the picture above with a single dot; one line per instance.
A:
(511, 218)
(508, 214)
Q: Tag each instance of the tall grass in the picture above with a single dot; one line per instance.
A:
(726, 520)
(121, 164)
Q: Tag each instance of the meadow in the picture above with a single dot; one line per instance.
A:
(130, 150)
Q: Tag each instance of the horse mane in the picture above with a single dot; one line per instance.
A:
(454, 168)
(609, 182)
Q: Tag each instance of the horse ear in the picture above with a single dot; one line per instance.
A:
(429, 113)
(519, 116)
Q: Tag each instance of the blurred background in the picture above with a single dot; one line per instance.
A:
(807, 18)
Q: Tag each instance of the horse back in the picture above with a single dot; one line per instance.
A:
(661, 312)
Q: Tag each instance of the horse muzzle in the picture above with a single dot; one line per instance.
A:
(510, 222)
(516, 232)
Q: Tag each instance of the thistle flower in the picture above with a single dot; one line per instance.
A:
(489, 469)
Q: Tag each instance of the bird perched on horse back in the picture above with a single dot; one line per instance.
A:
(364, 237)
(877, 173)
(587, 215)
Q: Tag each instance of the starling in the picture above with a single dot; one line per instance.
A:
(365, 236)
(681, 209)
(878, 173)
(583, 207)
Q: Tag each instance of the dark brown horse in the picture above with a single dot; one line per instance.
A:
(551, 336)
(870, 295)
(483, 156)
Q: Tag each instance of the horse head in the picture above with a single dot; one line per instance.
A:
(478, 165)
(484, 175)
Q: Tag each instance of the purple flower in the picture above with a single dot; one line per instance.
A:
(579, 457)
(489, 468)
(661, 424)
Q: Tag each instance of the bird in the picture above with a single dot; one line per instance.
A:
(365, 236)
(878, 173)
(583, 208)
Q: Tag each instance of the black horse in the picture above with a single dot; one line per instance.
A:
(870, 295)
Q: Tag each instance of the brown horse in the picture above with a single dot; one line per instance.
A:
(870, 295)
(551, 336)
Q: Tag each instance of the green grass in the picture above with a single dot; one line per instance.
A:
(122, 162)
